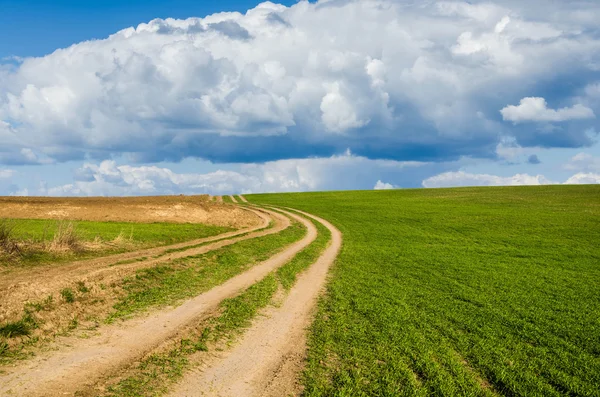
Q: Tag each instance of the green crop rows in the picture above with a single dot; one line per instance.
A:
(470, 292)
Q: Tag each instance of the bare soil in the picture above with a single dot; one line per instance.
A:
(177, 209)
(98, 275)
(270, 356)
(80, 364)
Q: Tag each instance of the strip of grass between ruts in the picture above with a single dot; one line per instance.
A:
(471, 292)
(155, 373)
(190, 276)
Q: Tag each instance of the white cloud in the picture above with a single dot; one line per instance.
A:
(383, 186)
(109, 178)
(583, 179)
(583, 162)
(5, 174)
(536, 109)
(461, 178)
(425, 74)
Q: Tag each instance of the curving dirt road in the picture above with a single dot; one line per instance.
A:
(242, 198)
(270, 356)
(36, 284)
(83, 362)
(233, 199)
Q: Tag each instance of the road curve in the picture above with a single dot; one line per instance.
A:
(86, 361)
(270, 355)
(35, 285)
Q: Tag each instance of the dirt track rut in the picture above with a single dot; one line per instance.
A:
(84, 362)
(270, 356)
(39, 283)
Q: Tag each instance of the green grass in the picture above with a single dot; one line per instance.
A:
(151, 233)
(190, 276)
(29, 232)
(471, 292)
(156, 372)
(227, 199)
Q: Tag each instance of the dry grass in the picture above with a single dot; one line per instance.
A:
(8, 245)
(65, 238)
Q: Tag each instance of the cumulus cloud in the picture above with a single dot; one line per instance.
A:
(383, 186)
(109, 178)
(536, 109)
(583, 162)
(419, 82)
(461, 178)
(583, 179)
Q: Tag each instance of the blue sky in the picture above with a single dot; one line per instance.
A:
(150, 97)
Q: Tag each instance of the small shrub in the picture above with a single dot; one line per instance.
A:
(68, 295)
(65, 238)
(14, 329)
(81, 287)
(3, 347)
(8, 244)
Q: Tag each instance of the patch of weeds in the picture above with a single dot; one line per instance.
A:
(68, 295)
(15, 329)
(81, 287)
(8, 244)
(66, 237)
(74, 323)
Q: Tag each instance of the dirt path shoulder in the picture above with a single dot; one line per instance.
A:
(81, 363)
(270, 356)
(32, 285)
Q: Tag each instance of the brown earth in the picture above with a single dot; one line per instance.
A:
(270, 356)
(79, 364)
(177, 209)
(103, 282)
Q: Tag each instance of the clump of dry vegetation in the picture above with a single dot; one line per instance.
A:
(8, 244)
(65, 238)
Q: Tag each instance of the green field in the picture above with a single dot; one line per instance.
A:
(32, 233)
(470, 292)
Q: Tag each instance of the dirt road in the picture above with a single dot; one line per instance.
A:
(242, 198)
(270, 356)
(233, 199)
(81, 363)
(35, 284)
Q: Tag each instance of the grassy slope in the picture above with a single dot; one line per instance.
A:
(142, 235)
(458, 292)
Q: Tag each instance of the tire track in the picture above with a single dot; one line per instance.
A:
(271, 354)
(86, 362)
(233, 199)
(40, 282)
(242, 198)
